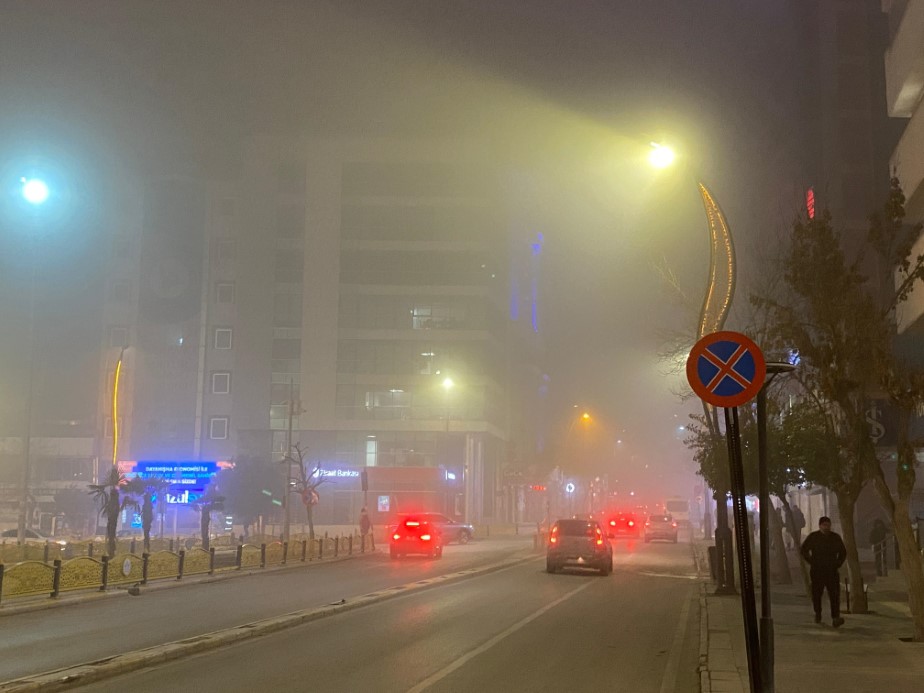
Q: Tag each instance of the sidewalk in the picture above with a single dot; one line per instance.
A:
(865, 655)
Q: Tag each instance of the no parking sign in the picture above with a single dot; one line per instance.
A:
(726, 369)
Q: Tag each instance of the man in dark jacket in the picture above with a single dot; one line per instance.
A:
(825, 552)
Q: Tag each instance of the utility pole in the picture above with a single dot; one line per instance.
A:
(288, 460)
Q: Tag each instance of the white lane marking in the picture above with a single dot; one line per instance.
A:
(461, 661)
(668, 575)
(669, 682)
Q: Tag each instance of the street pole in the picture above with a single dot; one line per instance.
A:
(766, 621)
(27, 440)
(767, 645)
(285, 496)
(745, 567)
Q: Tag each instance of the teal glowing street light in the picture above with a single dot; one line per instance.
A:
(35, 192)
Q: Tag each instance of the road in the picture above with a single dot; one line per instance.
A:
(518, 629)
(38, 641)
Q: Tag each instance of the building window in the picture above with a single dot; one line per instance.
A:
(222, 337)
(221, 383)
(218, 427)
(120, 291)
(118, 337)
(225, 249)
(224, 293)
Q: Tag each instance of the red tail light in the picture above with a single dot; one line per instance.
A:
(648, 524)
(673, 524)
(412, 523)
(599, 541)
(632, 523)
(395, 536)
(612, 523)
(553, 539)
(425, 537)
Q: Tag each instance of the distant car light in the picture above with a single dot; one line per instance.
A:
(612, 523)
(425, 537)
(396, 536)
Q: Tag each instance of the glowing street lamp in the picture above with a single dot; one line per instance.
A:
(34, 190)
(661, 156)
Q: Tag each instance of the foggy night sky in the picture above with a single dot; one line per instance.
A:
(574, 90)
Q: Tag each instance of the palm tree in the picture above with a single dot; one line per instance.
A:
(111, 503)
(145, 490)
(208, 503)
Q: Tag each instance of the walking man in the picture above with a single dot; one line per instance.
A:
(365, 525)
(825, 552)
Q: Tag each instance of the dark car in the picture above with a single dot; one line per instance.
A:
(660, 527)
(415, 535)
(579, 544)
(453, 530)
(624, 525)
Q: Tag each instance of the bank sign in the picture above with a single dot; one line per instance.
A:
(187, 480)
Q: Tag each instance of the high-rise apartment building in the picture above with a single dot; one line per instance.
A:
(904, 70)
(403, 308)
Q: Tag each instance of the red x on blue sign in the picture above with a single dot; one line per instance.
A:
(726, 369)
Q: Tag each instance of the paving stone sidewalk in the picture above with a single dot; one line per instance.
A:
(865, 655)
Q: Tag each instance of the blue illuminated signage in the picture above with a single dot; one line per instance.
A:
(187, 480)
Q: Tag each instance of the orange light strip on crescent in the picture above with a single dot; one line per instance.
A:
(115, 413)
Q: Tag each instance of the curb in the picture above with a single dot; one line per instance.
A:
(121, 590)
(81, 674)
(705, 683)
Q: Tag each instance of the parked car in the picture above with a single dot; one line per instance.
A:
(31, 536)
(660, 527)
(623, 524)
(416, 535)
(453, 530)
(578, 544)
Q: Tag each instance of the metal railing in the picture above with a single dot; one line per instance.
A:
(35, 577)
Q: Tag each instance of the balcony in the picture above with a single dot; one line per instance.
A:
(904, 63)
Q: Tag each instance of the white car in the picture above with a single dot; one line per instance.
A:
(30, 536)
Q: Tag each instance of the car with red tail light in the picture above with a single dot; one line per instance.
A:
(660, 527)
(415, 536)
(578, 544)
(623, 525)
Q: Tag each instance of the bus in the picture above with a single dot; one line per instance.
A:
(679, 509)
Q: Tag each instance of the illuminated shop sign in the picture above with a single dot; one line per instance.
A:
(187, 480)
(339, 473)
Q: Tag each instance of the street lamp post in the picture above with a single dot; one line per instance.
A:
(720, 290)
(35, 192)
(766, 619)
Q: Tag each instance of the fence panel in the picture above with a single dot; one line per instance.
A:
(80, 573)
(163, 564)
(197, 562)
(126, 567)
(29, 577)
(250, 556)
(274, 553)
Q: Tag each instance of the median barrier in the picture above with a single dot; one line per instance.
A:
(35, 577)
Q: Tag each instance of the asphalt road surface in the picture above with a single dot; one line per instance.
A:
(518, 629)
(70, 634)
